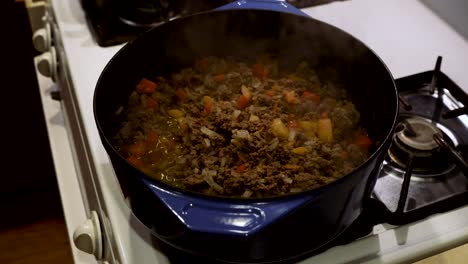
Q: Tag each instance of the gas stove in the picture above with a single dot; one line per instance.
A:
(416, 209)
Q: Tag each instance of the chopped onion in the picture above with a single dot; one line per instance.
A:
(208, 172)
(207, 142)
(209, 179)
(223, 162)
(119, 110)
(210, 133)
(273, 144)
(292, 135)
(247, 193)
(242, 134)
(287, 180)
(256, 83)
(236, 114)
(295, 190)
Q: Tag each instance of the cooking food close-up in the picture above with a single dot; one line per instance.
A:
(254, 131)
(227, 128)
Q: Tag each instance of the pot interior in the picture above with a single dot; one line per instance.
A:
(244, 34)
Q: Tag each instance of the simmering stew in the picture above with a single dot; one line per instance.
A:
(228, 128)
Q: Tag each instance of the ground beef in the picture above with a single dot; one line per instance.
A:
(227, 128)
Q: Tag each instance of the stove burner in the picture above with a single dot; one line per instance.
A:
(418, 134)
(415, 140)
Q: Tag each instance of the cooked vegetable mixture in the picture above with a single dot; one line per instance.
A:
(228, 128)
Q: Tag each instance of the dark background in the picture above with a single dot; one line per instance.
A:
(32, 227)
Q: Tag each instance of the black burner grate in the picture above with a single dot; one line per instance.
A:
(413, 195)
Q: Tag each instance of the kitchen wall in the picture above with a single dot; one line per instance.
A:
(454, 12)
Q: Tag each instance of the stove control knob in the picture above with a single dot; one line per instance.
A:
(42, 38)
(88, 237)
(47, 64)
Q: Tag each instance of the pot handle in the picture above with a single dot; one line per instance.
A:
(227, 217)
(272, 5)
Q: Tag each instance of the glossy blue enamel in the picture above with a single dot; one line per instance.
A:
(232, 217)
(271, 5)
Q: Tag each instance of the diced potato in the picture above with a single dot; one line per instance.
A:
(236, 142)
(325, 130)
(292, 166)
(279, 129)
(246, 92)
(308, 125)
(290, 144)
(182, 123)
(254, 118)
(176, 113)
(299, 150)
(309, 128)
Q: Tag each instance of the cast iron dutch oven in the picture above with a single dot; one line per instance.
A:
(250, 230)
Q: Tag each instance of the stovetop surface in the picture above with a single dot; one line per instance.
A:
(109, 28)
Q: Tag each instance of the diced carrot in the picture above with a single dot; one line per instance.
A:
(219, 77)
(151, 104)
(290, 97)
(207, 104)
(241, 168)
(146, 86)
(311, 96)
(363, 141)
(259, 71)
(136, 162)
(242, 102)
(137, 149)
(270, 93)
(279, 129)
(344, 154)
(152, 138)
(202, 64)
(181, 94)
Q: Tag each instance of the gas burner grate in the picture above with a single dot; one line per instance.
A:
(425, 171)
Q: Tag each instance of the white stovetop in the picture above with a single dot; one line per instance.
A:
(404, 33)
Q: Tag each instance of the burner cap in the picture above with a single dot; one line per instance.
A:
(415, 141)
(418, 134)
